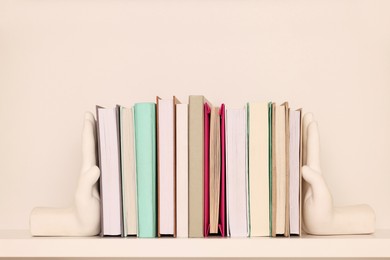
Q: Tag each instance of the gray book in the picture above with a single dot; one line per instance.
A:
(195, 165)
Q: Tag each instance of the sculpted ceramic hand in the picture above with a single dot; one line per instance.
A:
(83, 218)
(320, 217)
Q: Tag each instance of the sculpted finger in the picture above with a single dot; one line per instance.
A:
(92, 176)
(89, 142)
(87, 181)
(314, 179)
(313, 147)
(307, 119)
(310, 176)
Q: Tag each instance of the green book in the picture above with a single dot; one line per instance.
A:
(270, 164)
(145, 146)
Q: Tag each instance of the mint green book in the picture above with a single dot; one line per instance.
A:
(145, 148)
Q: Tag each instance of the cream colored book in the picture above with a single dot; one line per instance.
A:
(182, 170)
(129, 191)
(258, 168)
(280, 189)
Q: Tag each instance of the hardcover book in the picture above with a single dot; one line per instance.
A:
(196, 166)
(166, 166)
(145, 147)
(182, 170)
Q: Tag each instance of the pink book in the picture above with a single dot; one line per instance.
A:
(222, 211)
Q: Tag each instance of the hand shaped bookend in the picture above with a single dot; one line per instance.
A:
(320, 217)
(83, 218)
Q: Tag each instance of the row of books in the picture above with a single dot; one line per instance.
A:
(196, 170)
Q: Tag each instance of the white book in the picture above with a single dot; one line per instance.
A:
(236, 173)
(129, 189)
(258, 169)
(166, 166)
(110, 177)
(182, 170)
(295, 177)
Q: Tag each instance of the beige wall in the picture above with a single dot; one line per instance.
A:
(61, 58)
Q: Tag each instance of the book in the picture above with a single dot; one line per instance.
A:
(222, 205)
(145, 147)
(295, 164)
(182, 170)
(258, 168)
(215, 168)
(236, 173)
(214, 179)
(110, 174)
(270, 162)
(129, 189)
(206, 170)
(196, 165)
(280, 189)
(166, 168)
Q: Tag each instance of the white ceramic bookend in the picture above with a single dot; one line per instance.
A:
(83, 218)
(320, 217)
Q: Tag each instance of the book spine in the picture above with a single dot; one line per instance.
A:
(258, 169)
(145, 143)
(270, 164)
(196, 160)
(182, 169)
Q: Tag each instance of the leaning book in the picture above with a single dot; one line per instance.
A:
(109, 164)
(129, 192)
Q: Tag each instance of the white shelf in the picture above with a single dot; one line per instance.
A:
(21, 244)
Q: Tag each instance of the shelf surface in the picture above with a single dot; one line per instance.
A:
(21, 244)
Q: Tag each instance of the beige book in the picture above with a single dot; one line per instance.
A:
(215, 168)
(196, 164)
(280, 189)
(258, 169)
(129, 192)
